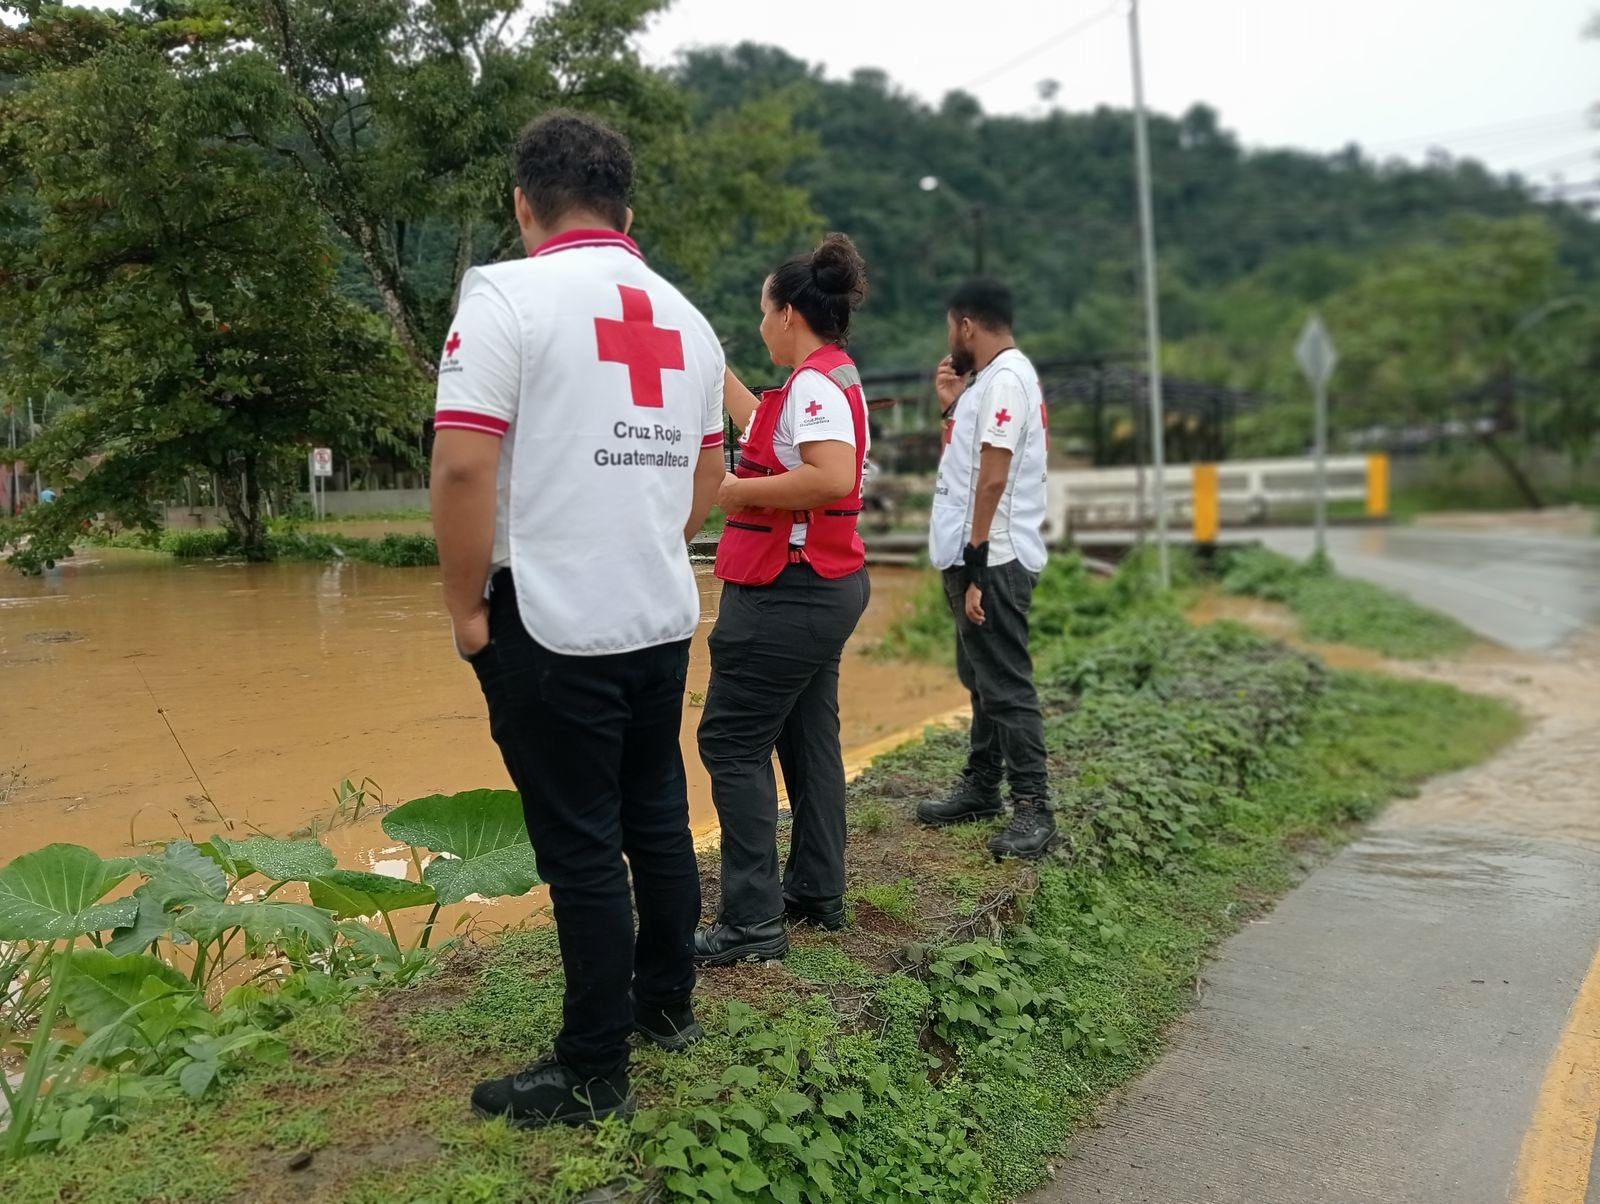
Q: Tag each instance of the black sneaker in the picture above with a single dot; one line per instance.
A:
(548, 1093)
(724, 944)
(967, 802)
(1030, 834)
(673, 1028)
(824, 913)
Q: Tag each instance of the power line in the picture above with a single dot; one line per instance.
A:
(1587, 155)
(1049, 43)
(1470, 133)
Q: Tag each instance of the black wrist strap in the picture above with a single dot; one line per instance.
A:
(975, 564)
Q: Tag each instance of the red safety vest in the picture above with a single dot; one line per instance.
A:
(754, 547)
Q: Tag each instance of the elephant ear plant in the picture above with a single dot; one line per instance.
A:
(115, 1001)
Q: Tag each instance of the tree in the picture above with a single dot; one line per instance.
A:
(399, 116)
(178, 286)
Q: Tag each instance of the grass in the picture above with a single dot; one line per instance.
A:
(286, 542)
(1336, 609)
(881, 1041)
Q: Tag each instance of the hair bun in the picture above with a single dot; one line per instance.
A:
(839, 270)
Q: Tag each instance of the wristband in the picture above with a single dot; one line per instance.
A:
(975, 564)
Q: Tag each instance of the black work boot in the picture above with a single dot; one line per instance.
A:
(673, 1028)
(548, 1093)
(1030, 834)
(824, 913)
(724, 944)
(968, 801)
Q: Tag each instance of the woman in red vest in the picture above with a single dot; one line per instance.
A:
(794, 588)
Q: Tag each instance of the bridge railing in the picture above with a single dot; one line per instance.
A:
(1232, 493)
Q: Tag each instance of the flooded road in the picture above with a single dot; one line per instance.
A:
(280, 681)
(1528, 591)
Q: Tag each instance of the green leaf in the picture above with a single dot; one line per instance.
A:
(670, 1159)
(751, 1178)
(780, 1135)
(741, 1076)
(740, 1016)
(350, 893)
(196, 1077)
(841, 1104)
(280, 860)
(102, 986)
(75, 1124)
(735, 1142)
(183, 874)
(484, 833)
(55, 892)
(878, 1080)
(264, 923)
(151, 924)
(791, 1104)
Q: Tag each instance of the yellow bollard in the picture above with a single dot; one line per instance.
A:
(1207, 514)
(1378, 485)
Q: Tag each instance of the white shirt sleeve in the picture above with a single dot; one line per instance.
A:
(817, 411)
(711, 430)
(480, 370)
(1004, 405)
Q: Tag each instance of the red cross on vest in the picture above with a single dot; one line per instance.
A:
(453, 344)
(814, 408)
(646, 349)
(1002, 417)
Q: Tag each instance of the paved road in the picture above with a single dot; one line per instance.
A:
(1380, 1037)
(1527, 592)
(1418, 1023)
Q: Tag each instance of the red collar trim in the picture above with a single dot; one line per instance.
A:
(571, 240)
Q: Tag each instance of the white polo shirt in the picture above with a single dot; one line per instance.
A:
(1003, 407)
(604, 384)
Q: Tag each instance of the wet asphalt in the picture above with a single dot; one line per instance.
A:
(1528, 592)
(1384, 1033)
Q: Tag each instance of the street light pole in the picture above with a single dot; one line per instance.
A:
(974, 211)
(1152, 313)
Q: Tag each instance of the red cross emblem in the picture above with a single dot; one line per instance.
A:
(814, 409)
(453, 345)
(1001, 418)
(648, 350)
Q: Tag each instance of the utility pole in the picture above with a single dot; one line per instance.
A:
(33, 433)
(15, 481)
(1152, 313)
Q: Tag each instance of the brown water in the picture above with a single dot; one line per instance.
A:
(1543, 785)
(279, 681)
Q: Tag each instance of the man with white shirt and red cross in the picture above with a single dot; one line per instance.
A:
(578, 448)
(987, 536)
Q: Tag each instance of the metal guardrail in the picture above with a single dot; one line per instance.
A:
(1235, 491)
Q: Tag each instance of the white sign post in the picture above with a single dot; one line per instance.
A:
(321, 469)
(1317, 356)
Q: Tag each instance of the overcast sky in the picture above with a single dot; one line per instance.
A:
(1505, 81)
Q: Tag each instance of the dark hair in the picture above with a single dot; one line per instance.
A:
(987, 302)
(824, 285)
(566, 161)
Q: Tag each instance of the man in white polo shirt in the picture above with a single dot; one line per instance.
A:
(987, 535)
(578, 447)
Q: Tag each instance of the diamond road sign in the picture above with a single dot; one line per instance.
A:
(1315, 352)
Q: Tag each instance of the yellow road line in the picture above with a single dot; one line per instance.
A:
(1554, 1165)
(857, 760)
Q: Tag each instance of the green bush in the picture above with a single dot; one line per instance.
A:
(202, 544)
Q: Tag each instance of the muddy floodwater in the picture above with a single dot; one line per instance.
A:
(279, 681)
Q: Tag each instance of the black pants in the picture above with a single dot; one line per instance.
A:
(994, 664)
(775, 684)
(592, 743)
